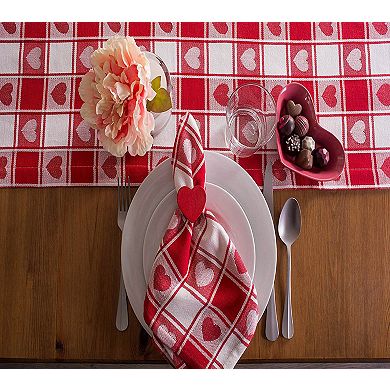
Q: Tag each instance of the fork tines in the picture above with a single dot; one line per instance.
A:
(124, 195)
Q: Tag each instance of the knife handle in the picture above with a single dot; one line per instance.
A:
(271, 322)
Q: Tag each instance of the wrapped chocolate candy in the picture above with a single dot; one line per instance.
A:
(308, 143)
(304, 159)
(286, 125)
(292, 144)
(301, 125)
(321, 157)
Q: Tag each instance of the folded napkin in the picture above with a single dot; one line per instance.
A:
(200, 302)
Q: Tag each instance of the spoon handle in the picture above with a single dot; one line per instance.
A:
(287, 322)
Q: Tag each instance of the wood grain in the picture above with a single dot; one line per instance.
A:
(59, 278)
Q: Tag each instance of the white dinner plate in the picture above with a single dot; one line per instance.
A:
(225, 208)
(223, 172)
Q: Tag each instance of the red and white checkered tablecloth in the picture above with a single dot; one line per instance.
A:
(44, 141)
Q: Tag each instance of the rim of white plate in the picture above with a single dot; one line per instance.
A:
(227, 174)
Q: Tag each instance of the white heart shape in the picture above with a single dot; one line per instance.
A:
(301, 60)
(166, 337)
(189, 151)
(203, 275)
(248, 59)
(248, 132)
(34, 58)
(192, 57)
(354, 59)
(358, 132)
(83, 130)
(85, 56)
(251, 322)
(30, 130)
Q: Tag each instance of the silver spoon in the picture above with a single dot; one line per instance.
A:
(289, 228)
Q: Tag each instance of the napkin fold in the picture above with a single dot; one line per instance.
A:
(200, 302)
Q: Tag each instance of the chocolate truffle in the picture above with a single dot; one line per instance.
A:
(292, 144)
(293, 109)
(321, 157)
(286, 125)
(301, 125)
(308, 143)
(305, 159)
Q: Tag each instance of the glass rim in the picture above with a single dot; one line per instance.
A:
(254, 85)
(164, 68)
(272, 131)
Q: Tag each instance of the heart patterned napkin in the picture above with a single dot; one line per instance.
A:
(200, 303)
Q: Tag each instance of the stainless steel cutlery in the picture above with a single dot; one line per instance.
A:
(289, 229)
(124, 200)
(271, 324)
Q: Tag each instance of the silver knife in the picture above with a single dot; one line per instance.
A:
(271, 323)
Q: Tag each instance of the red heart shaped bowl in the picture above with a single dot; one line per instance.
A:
(299, 94)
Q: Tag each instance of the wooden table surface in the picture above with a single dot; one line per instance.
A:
(59, 277)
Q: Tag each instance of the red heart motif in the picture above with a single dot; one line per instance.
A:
(275, 92)
(62, 27)
(6, 94)
(221, 94)
(3, 164)
(161, 281)
(114, 26)
(58, 94)
(166, 26)
(329, 96)
(326, 28)
(9, 27)
(386, 167)
(275, 28)
(109, 167)
(54, 167)
(210, 330)
(279, 171)
(381, 27)
(191, 201)
(222, 28)
(383, 94)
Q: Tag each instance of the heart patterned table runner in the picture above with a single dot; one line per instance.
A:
(45, 142)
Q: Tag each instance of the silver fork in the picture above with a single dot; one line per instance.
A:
(124, 199)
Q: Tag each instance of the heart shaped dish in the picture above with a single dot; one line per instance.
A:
(323, 138)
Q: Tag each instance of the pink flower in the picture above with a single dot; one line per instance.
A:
(115, 92)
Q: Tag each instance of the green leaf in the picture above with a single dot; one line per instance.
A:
(156, 83)
(161, 102)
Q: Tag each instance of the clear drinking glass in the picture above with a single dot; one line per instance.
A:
(251, 119)
(158, 68)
